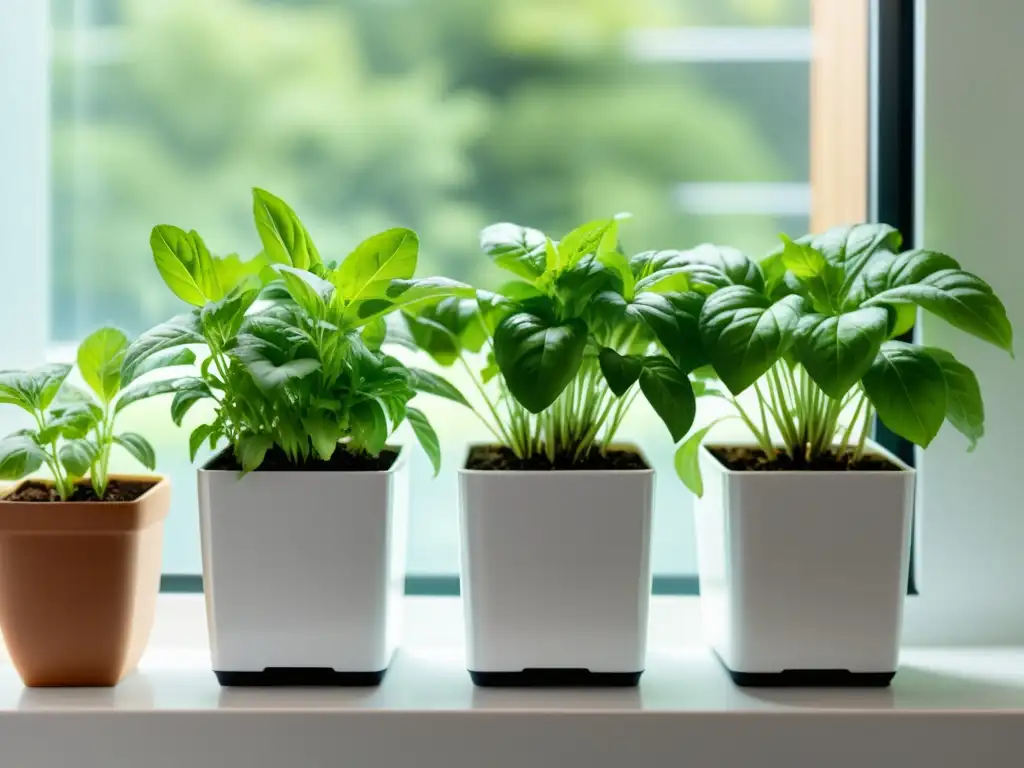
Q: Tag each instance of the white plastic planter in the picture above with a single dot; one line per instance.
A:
(556, 575)
(303, 574)
(803, 574)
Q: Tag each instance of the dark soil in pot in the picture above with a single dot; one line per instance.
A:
(744, 459)
(117, 490)
(342, 461)
(494, 457)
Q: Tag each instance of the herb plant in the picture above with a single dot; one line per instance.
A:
(572, 341)
(73, 432)
(814, 331)
(293, 343)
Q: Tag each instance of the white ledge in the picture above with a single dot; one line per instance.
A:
(946, 707)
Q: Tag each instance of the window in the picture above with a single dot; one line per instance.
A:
(442, 115)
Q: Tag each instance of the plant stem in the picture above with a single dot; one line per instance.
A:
(845, 444)
(760, 405)
(764, 441)
(869, 415)
(625, 403)
(786, 423)
(502, 438)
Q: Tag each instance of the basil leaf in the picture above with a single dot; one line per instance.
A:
(538, 356)
(745, 334)
(908, 389)
(837, 351)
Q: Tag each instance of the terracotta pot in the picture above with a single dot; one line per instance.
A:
(78, 585)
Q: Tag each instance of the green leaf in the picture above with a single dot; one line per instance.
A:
(552, 260)
(203, 270)
(964, 407)
(19, 456)
(139, 447)
(251, 450)
(176, 259)
(490, 370)
(687, 459)
(445, 328)
(406, 294)
(169, 358)
(575, 286)
(369, 426)
(187, 396)
(72, 423)
(744, 333)
(908, 389)
(324, 432)
(837, 351)
(717, 266)
(905, 269)
(666, 281)
(375, 334)
(233, 274)
(426, 436)
(433, 338)
(176, 332)
(367, 272)
(538, 357)
(519, 250)
(905, 319)
(853, 247)
(146, 390)
(774, 271)
(99, 361)
(432, 384)
(269, 375)
(285, 240)
(197, 437)
(593, 238)
(671, 317)
(78, 456)
(273, 360)
(221, 320)
(963, 300)
(810, 273)
(619, 264)
(620, 371)
(35, 389)
(668, 391)
(309, 291)
(801, 259)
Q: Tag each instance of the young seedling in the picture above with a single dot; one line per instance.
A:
(73, 432)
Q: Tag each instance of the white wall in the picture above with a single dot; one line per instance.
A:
(971, 205)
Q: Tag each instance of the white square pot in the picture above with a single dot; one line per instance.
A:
(803, 574)
(556, 575)
(303, 574)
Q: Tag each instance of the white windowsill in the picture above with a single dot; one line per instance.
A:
(959, 706)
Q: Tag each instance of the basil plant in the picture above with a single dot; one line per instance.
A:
(814, 332)
(293, 343)
(73, 430)
(572, 341)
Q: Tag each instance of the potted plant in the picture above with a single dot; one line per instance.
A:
(303, 513)
(80, 552)
(556, 515)
(803, 533)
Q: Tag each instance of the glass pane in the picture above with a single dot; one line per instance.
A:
(442, 115)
